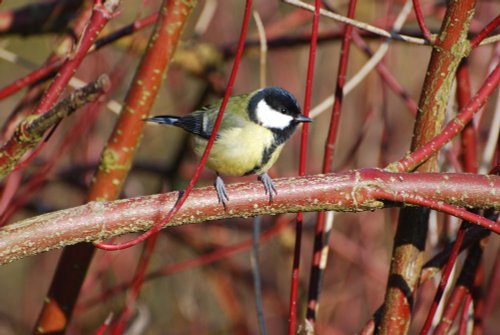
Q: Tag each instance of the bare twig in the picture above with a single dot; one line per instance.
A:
(30, 132)
(367, 67)
(454, 127)
(263, 48)
(421, 22)
(360, 25)
(320, 251)
(101, 14)
(304, 135)
(254, 261)
(481, 36)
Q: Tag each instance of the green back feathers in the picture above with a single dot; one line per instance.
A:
(235, 115)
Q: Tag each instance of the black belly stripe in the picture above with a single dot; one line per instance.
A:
(266, 156)
(280, 137)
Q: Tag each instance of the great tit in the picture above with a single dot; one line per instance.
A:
(251, 136)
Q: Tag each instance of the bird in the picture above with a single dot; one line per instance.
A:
(250, 138)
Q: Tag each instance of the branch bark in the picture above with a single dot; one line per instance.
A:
(352, 191)
(449, 48)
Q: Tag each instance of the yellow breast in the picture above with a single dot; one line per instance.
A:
(239, 150)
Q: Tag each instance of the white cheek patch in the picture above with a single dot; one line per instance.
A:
(270, 118)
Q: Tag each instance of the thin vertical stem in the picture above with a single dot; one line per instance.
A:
(254, 260)
(320, 240)
(464, 318)
(468, 136)
(444, 279)
(421, 21)
(302, 169)
(136, 286)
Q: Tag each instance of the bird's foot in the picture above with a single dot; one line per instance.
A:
(221, 191)
(268, 185)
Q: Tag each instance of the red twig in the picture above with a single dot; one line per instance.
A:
(38, 178)
(475, 285)
(51, 67)
(469, 281)
(470, 164)
(114, 166)
(446, 271)
(102, 329)
(15, 147)
(101, 14)
(441, 207)
(451, 311)
(485, 32)
(292, 318)
(382, 70)
(30, 132)
(421, 21)
(464, 318)
(31, 78)
(203, 159)
(321, 236)
(420, 155)
(136, 285)
(202, 260)
(468, 135)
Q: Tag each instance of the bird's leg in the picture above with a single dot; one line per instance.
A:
(221, 190)
(268, 185)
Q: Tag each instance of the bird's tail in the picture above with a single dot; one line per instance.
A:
(163, 119)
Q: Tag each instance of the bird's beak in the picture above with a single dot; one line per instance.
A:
(302, 118)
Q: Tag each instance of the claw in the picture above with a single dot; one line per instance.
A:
(221, 191)
(268, 185)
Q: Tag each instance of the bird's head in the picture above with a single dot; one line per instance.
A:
(276, 109)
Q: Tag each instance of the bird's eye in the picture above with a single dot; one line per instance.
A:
(283, 110)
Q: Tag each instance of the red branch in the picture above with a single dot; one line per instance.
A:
(464, 318)
(454, 127)
(101, 14)
(321, 236)
(458, 212)
(49, 68)
(349, 191)
(445, 276)
(421, 21)
(485, 32)
(202, 260)
(13, 149)
(292, 317)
